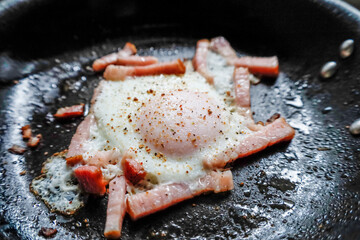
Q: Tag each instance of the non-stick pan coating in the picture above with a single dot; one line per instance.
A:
(307, 189)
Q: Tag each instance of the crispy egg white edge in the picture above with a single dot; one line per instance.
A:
(57, 187)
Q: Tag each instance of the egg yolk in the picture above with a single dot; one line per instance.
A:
(180, 122)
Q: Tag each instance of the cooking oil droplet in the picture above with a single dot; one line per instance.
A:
(326, 110)
(347, 48)
(295, 102)
(355, 127)
(328, 69)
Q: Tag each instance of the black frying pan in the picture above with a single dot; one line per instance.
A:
(308, 189)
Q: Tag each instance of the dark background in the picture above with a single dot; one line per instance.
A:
(307, 189)
(355, 3)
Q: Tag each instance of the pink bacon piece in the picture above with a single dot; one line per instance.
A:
(70, 112)
(91, 179)
(136, 60)
(223, 47)
(275, 132)
(241, 78)
(116, 208)
(266, 66)
(133, 170)
(101, 63)
(164, 196)
(103, 158)
(34, 141)
(76, 150)
(199, 60)
(81, 135)
(26, 132)
(242, 87)
(116, 73)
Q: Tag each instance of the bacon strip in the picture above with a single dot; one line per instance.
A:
(241, 78)
(69, 112)
(116, 73)
(164, 196)
(266, 66)
(276, 132)
(136, 60)
(101, 63)
(91, 179)
(116, 208)
(223, 47)
(242, 87)
(81, 135)
(199, 60)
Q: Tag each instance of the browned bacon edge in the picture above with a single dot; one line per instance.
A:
(199, 60)
(116, 73)
(164, 196)
(275, 132)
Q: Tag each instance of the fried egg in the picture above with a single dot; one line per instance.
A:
(171, 123)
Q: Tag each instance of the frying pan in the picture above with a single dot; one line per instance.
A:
(306, 189)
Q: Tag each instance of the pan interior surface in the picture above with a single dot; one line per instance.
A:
(307, 189)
